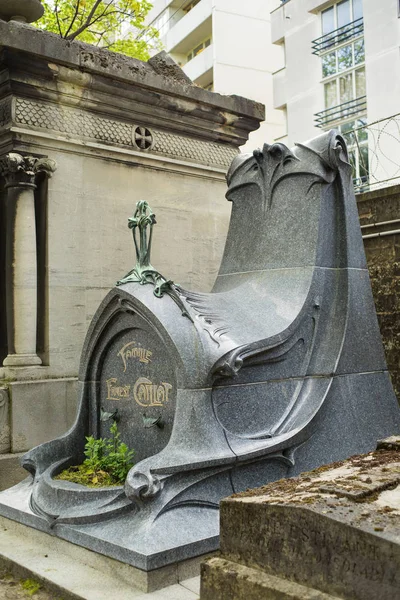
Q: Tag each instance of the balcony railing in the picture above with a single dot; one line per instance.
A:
(340, 112)
(347, 32)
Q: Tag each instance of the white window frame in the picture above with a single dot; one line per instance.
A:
(334, 6)
(336, 76)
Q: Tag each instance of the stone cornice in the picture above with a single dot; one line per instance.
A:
(96, 80)
(75, 125)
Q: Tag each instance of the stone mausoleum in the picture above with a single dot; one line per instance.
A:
(84, 135)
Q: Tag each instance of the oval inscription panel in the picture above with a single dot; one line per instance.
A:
(137, 380)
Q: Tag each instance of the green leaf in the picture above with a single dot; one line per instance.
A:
(107, 462)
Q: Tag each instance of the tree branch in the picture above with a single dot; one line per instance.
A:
(74, 18)
(100, 37)
(113, 12)
(58, 20)
(88, 21)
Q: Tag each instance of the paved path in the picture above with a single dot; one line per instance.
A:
(15, 588)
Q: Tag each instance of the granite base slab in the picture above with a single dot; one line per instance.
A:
(117, 539)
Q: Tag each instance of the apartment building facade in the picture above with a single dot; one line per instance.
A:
(342, 70)
(225, 46)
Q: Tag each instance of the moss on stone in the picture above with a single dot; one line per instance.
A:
(81, 474)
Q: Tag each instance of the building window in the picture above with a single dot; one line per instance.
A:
(199, 49)
(346, 87)
(343, 58)
(343, 70)
(339, 23)
(341, 14)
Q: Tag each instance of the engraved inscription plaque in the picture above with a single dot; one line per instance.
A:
(138, 381)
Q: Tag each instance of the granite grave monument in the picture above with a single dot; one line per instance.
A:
(278, 370)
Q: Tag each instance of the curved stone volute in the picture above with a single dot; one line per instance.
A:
(276, 197)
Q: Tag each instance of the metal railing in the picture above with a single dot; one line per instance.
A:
(341, 112)
(382, 138)
(338, 36)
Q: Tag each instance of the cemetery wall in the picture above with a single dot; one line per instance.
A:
(379, 212)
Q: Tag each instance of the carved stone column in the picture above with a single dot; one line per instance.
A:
(21, 259)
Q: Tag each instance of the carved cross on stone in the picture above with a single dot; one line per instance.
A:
(143, 138)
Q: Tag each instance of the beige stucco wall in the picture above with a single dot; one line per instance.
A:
(89, 247)
(297, 84)
(382, 64)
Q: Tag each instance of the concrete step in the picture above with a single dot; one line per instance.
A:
(75, 573)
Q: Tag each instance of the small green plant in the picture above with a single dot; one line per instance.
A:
(107, 462)
(30, 586)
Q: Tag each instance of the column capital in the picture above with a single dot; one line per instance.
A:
(20, 171)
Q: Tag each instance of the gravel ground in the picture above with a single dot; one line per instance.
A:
(13, 588)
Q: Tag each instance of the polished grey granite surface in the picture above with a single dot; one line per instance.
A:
(278, 370)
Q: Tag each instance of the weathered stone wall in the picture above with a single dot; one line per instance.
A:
(380, 222)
